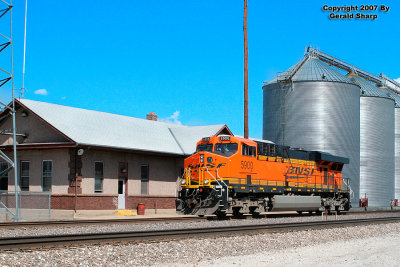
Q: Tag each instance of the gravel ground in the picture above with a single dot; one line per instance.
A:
(373, 251)
(356, 246)
(75, 229)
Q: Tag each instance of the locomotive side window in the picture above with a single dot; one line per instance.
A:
(226, 149)
(272, 150)
(206, 147)
(262, 149)
(248, 150)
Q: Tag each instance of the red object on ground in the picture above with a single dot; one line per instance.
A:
(140, 209)
(396, 202)
(363, 202)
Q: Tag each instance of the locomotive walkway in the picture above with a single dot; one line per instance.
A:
(50, 241)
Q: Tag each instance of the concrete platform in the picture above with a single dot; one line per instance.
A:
(110, 214)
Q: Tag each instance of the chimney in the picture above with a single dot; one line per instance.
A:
(152, 116)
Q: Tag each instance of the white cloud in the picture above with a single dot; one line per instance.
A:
(41, 92)
(174, 118)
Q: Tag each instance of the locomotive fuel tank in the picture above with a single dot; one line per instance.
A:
(296, 203)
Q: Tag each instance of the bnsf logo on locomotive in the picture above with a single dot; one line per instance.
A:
(210, 166)
(300, 170)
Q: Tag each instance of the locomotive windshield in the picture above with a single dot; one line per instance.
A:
(226, 149)
(206, 147)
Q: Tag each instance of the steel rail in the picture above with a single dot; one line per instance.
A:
(162, 219)
(146, 236)
(91, 221)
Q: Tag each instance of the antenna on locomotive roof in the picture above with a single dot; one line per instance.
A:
(246, 74)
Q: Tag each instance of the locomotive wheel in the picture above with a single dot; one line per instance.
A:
(255, 214)
(237, 214)
(222, 215)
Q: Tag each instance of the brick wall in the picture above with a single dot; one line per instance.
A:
(109, 202)
(151, 202)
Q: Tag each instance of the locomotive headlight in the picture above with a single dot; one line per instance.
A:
(183, 181)
(206, 181)
(209, 159)
(202, 158)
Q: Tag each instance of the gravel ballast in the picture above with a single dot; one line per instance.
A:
(295, 248)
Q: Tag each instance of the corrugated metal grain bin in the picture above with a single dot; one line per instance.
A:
(315, 107)
(396, 99)
(376, 144)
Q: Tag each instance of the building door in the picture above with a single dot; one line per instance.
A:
(122, 182)
(121, 193)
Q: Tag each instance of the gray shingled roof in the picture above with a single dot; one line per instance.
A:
(95, 128)
(312, 69)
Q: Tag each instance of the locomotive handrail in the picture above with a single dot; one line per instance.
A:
(222, 186)
(226, 186)
(211, 176)
(296, 183)
(221, 178)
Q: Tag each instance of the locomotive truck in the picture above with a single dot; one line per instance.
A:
(229, 175)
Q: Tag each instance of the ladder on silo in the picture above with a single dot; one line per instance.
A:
(284, 80)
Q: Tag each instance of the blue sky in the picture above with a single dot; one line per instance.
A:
(184, 59)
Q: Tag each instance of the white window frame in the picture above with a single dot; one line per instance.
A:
(148, 179)
(29, 174)
(102, 179)
(51, 180)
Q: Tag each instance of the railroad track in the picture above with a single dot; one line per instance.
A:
(149, 236)
(154, 220)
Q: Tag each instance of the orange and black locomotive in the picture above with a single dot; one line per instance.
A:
(233, 175)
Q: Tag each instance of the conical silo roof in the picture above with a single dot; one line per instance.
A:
(367, 88)
(392, 95)
(312, 69)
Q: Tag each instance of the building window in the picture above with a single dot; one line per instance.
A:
(47, 167)
(98, 176)
(144, 175)
(24, 177)
(4, 176)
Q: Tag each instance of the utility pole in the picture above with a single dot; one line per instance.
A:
(246, 75)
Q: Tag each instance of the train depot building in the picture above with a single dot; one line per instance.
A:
(92, 160)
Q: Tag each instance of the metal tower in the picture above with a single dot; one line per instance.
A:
(7, 71)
